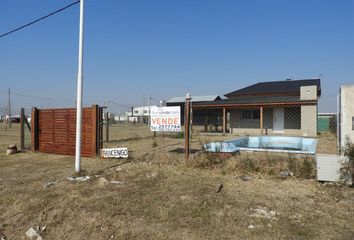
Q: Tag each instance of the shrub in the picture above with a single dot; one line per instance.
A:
(176, 135)
(271, 164)
(347, 169)
(292, 164)
(207, 160)
(307, 169)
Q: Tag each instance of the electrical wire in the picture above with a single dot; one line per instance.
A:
(39, 19)
(118, 104)
(154, 100)
(34, 97)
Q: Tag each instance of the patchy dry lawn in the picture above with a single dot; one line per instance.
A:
(155, 195)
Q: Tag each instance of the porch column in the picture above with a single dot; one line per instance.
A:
(224, 120)
(261, 119)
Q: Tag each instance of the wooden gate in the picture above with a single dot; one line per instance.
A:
(54, 131)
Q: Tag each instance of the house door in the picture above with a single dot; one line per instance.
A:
(278, 120)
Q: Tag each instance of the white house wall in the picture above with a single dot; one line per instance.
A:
(309, 120)
(347, 113)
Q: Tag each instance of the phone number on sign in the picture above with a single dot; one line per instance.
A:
(172, 128)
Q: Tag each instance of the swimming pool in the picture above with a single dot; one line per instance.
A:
(265, 143)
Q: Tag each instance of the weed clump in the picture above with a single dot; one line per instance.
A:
(307, 169)
(249, 164)
(347, 170)
(176, 135)
(207, 160)
(271, 164)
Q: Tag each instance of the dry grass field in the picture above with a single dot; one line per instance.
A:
(156, 195)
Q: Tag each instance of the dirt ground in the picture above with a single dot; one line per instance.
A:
(155, 195)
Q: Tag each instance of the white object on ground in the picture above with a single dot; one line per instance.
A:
(33, 234)
(78, 179)
(49, 184)
(117, 182)
(251, 226)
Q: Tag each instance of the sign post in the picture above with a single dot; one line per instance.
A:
(187, 111)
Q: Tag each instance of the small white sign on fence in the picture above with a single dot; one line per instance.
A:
(165, 119)
(114, 152)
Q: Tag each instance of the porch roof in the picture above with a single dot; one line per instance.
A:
(256, 101)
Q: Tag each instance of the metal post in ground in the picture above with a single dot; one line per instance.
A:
(224, 121)
(22, 123)
(107, 126)
(261, 119)
(9, 109)
(187, 127)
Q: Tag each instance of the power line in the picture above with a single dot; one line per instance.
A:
(121, 105)
(39, 19)
(35, 97)
(154, 100)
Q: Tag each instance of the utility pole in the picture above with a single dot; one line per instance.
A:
(107, 122)
(9, 108)
(80, 78)
(106, 114)
(148, 118)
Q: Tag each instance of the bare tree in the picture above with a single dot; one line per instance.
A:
(3, 110)
(3, 113)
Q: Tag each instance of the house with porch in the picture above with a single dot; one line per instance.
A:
(279, 107)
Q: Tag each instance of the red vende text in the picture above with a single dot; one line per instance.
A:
(165, 121)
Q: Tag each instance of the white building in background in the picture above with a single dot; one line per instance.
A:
(142, 111)
(139, 115)
(14, 118)
(346, 114)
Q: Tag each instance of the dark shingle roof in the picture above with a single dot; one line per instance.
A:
(276, 87)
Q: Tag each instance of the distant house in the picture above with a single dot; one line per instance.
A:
(179, 101)
(278, 107)
(14, 118)
(139, 115)
(142, 114)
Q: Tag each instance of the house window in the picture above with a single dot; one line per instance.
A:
(145, 111)
(136, 112)
(246, 114)
(256, 114)
(250, 114)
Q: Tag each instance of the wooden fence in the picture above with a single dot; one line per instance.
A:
(54, 131)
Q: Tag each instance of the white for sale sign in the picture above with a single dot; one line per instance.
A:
(114, 152)
(165, 119)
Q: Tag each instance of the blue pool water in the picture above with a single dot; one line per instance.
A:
(265, 143)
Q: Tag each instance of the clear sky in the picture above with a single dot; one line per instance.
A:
(158, 48)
